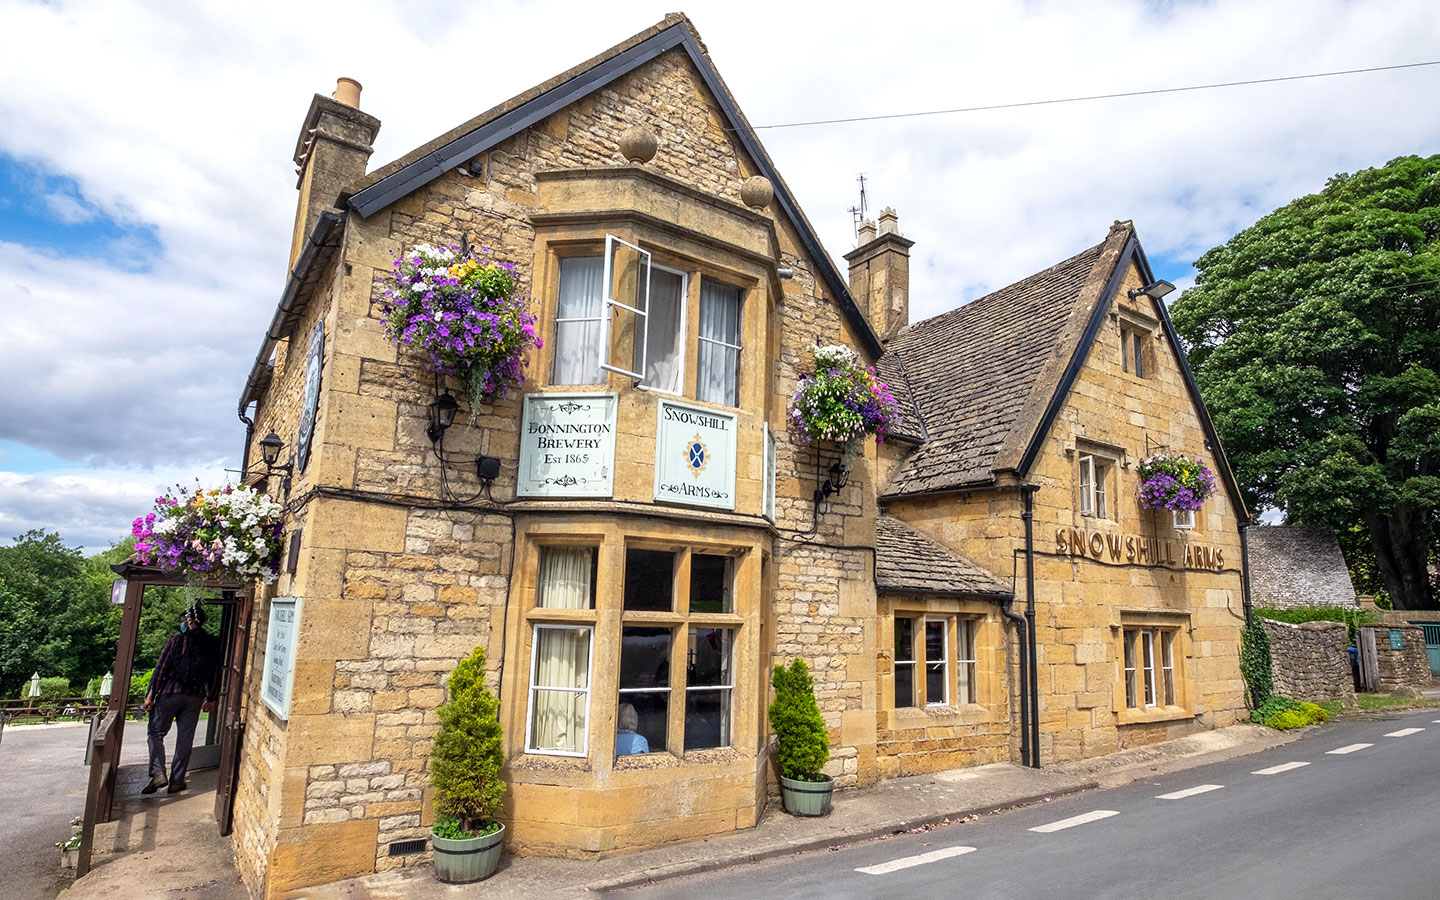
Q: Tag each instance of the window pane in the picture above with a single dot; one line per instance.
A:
(1130, 669)
(577, 326)
(649, 580)
(664, 362)
(1101, 473)
(1087, 485)
(1147, 650)
(905, 684)
(904, 639)
(1139, 356)
(567, 578)
(709, 662)
(718, 368)
(644, 686)
(934, 640)
(936, 690)
(710, 583)
(965, 673)
(707, 719)
(1167, 658)
(560, 686)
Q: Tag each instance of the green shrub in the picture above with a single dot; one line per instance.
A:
(56, 688)
(468, 755)
(139, 684)
(1350, 616)
(803, 744)
(1255, 663)
(1282, 713)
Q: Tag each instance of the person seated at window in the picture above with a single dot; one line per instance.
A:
(627, 741)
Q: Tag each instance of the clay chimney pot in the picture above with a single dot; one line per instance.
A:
(347, 91)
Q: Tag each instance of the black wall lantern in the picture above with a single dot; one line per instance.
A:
(270, 447)
(442, 416)
(487, 468)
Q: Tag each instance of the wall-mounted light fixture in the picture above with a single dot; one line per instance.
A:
(442, 416)
(839, 477)
(270, 447)
(1154, 290)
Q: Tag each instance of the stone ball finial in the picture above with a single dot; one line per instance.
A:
(756, 192)
(638, 144)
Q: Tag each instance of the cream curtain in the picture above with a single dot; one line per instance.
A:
(578, 319)
(663, 364)
(559, 696)
(565, 578)
(719, 364)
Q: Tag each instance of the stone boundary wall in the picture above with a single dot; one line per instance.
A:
(1310, 661)
(1408, 667)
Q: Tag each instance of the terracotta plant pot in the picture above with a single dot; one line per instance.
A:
(807, 798)
(467, 859)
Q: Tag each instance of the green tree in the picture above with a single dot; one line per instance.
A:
(802, 744)
(468, 756)
(1315, 339)
(55, 615)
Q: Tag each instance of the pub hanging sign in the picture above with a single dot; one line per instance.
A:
(694, 456)
(567, 446)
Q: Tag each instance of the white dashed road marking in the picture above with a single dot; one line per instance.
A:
(1283, 767)
(1404, 732)
(896, 865)
(1348, 748)
(1071, 822)
(1190, 792)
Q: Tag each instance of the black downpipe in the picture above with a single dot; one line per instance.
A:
(245, 454)
(1028, 515)
(1245, 572)
(1024, 695)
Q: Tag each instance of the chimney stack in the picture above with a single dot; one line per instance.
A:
(880, 275)
(333, 150)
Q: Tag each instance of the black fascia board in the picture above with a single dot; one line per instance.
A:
(395, 186)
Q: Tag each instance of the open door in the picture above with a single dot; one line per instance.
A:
(231, 728)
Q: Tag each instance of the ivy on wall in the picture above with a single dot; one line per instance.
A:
(1255, 663)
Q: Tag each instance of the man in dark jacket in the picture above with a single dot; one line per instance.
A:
(185, 683)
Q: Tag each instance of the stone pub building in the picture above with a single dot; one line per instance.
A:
(981, 587)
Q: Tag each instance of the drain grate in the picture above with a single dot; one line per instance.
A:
(405, 848)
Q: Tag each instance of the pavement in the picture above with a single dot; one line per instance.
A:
(172, 848)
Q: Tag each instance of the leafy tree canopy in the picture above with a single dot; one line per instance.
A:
(1315, 339)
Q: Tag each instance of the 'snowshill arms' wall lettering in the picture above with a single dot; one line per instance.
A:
(1137, 549)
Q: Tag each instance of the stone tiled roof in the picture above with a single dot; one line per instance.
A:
(892, 372)
(907, 561)
(1291, 565)
(973, 369)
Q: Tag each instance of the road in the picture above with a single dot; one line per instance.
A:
(42, 787)
(1349, 811)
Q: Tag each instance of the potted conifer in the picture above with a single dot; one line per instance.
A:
(802, 743)
(465, 766)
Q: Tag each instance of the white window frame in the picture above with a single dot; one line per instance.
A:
(911, 663)
(683, 324)
(1093, 472)
(738, 348)
(602, 319)
(1147, 663)
(642, 315)
(587, 690)
(944, 661)
(1184, 518)
(1128, 651)
(1167, 666)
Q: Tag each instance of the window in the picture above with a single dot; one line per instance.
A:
(578, 321)
(718, 375)
(946, 647)
(567, 578)
(965, 660)
(1184, 518)
(904, 662)
(685, 707)
(1149, 656)
(620, 312)
(1094, 473)
(559, 689)
(1132, 350)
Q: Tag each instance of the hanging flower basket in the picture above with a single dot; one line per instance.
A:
(230, 533)
(1171, 481)
(841, 400)
(462, 314)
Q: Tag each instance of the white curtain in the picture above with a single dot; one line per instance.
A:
(565, 578)
(719, 362)
(664, 369)
(578, 319)
(560, 694)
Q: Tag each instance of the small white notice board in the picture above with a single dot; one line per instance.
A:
(280, 643)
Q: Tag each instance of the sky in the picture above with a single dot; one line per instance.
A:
(147, 193)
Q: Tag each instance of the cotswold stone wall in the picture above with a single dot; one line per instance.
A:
(1408, 667)
(1310, 661)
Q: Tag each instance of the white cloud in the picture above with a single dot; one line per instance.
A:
(182, 118)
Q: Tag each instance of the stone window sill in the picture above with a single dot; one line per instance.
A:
(1130, 716)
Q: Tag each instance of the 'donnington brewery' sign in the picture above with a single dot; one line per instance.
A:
(567, 446)
(1137, 549)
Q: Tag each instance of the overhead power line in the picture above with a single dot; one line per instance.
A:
(1173, 90)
